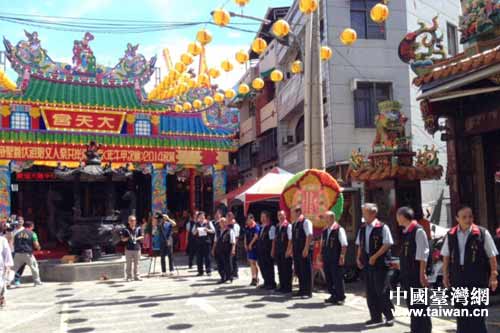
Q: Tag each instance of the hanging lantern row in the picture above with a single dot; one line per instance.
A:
(308, 6)
(379, 13)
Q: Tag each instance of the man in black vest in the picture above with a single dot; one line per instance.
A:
(224, 249)
(302, 233)
(469, 261)
(413, 266)
(202, 232)
(191, 249)
(264, 249)
(374, 241)
(333, 248)
(282, 253)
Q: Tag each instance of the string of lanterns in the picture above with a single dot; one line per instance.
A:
(179, 80)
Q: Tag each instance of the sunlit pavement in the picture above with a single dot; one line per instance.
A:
(187, 303)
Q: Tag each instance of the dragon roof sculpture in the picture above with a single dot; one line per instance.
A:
(29, 57)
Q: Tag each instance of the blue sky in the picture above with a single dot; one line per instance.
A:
(108, 48)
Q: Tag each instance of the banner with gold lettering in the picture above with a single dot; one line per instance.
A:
(62, 119)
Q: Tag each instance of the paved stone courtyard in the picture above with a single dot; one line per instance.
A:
(189, 304)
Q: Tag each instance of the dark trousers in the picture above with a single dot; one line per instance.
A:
(191, 251)
(470, 324)
(421, 324)
(234, 263)
(334, 275)
(225, 266)
(303, 269)
(166, 251)
(266, 265)
(378, 293)
(203, 257)
(284, 272)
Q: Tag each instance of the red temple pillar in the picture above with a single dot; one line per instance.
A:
(192, 194)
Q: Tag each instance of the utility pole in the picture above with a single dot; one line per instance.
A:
(314, 147)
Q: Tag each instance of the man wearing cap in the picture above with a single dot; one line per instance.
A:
(302, 233)
(282, 253)
(333, 249)
(374, 241)
(470, 264)
(413, 265)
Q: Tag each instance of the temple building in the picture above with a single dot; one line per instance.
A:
(152, 155)
(459, 97)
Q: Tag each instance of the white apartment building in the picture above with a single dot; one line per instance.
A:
(357, 78)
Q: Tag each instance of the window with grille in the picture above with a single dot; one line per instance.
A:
(361, 21)
(142, 127)
(366, 98)
(20, 120)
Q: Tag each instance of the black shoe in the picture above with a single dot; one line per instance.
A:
(199, 274)
(209, 273)
(331, 300)
(269, 287)
(339, 302)
(389, 322)
(254, 282)
(221, 281)
(298, 294)
(373, 323)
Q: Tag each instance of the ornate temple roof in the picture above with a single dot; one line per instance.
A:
(45, 90)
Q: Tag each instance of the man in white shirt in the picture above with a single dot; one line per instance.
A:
(374, 241)
(264, 251)
(302, 234)
(231, 221)
(469, 262)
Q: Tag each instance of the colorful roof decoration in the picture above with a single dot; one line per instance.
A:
(69, 105)
(29, 55)
(460, 65)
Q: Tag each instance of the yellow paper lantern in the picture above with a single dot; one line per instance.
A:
(187, 106)
(259, 45)
(226, 65)
(281, 28)
(242, 3)
(296, 67)
(348, 36)
(178, 108)
(219, 97)
(197, 104)
(230, 93)
(326, 53)
(194, 48)
(203, 79)
(221, 17)
(243, 89)
(308, 6)
(204, 36)
(208, 100)
(192, 83)
(187, 59)
(276, 75)
(183, 88)
(180, 67)
(258, 83)
(214, 73)
(242, 56)
(379, 13)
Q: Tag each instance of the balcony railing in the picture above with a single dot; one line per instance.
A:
(290, 94)
(247, 131)
(268, 116)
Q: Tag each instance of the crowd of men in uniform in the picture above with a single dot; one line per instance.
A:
(469, 257)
